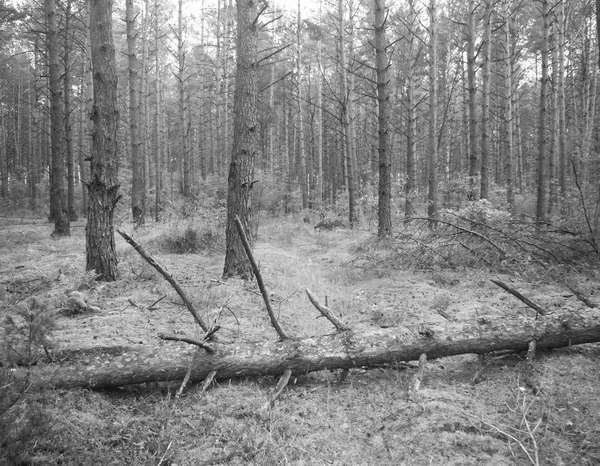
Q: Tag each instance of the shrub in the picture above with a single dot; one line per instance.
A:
(192, 239)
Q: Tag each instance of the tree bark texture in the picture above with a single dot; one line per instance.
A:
(411, 115)
(103, 185)
(433, 191)
(116, 366)
(473, 146)
(58, 202)
(540, 212)
(383, 100)
(485, 106)
(138, 188)
(245, 141)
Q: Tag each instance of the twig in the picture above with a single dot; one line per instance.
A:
(518, 295)
(191, 341)
(259, 280)
(509, 436)
(208, 380)
(585, 300)
(480, 367)
(188, 374)
(417, 378)
(326, 312)
(283, 381)
(167, 276)
(156, 302)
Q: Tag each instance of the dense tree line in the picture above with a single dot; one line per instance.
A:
(371, 110)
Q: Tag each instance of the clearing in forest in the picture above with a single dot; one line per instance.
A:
(362, 417)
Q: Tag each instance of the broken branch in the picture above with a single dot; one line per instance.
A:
(167, 276)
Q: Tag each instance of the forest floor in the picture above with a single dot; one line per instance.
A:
(365, 418)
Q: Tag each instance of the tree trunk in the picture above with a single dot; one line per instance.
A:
(473, 146)
(245, 136)
(183, 123)
(508, 110)
(554, 125)
(58, 208)
(562, 155)
(411, 116)
(383, 100)
(347, 117)
(301, 149)
(103, 186)
(70, 154)
(158, 181)
(433, 192)
(117, 366)
(542, 139)
(138, 188)
(485, 107)
(3, 162)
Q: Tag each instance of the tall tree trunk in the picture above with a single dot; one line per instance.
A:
(383, 100)
(485, 106)
(245, 136)
(103, 186)
(473, 146)
(508, 110)
(540, 210)
(562, 112)
(68, 36)
(301, 149)
(138, 185)
(183, 121)
(3, 162)
(59, 208)
(411, 116)
(158, 181)
(555, 128)
(432, 169)
(318, 129)
(347, 116)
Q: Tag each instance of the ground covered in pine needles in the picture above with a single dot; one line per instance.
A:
(364, 417)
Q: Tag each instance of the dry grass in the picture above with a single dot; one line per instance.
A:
(321, 418)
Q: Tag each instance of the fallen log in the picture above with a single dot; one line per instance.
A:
(109, 367)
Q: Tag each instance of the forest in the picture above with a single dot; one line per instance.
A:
(299, 232)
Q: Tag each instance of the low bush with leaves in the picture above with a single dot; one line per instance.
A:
(192, 239)
(25, 331)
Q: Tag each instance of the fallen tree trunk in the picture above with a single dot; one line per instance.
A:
(106, 367)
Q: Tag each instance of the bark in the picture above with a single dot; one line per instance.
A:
(117, 366)
(508, 110)
(70, 154)
(383, 100)
(542, 139)
(485, 108)
(103, 186)
(301, 150)
(3, 155)
(347, 116)
(411, 115)
(562, 155)
(181, 87)
(58, 203)
(473, 147)
(432, 165)
(138, 188)
(244, 141)
(158, 181)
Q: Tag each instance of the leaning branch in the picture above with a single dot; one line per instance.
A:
(259, 280)
(516, 294)
(167, 276)
(326, 312)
